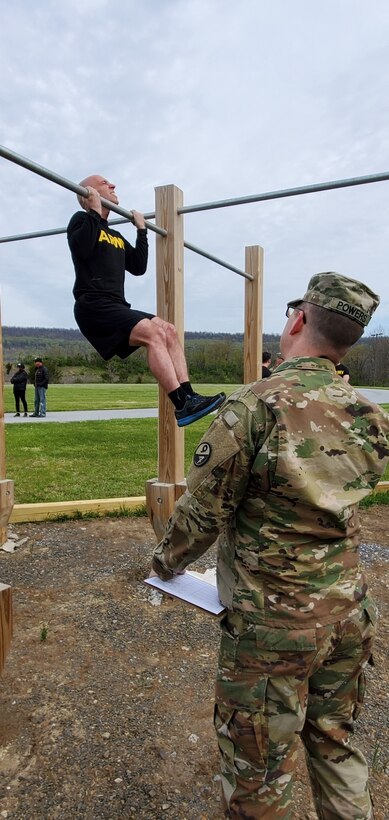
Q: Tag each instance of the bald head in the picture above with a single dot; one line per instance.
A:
(93, 180)
(100, 184)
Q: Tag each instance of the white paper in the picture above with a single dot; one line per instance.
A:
(192, 589)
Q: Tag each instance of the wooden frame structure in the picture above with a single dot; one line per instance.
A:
(163, 491)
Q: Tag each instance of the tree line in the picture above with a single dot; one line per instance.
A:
(212, 358)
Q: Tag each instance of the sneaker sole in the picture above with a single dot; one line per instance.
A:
(201, 413)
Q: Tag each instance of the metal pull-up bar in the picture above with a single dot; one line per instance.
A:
(71, 186)
(187, 245)
(187, 209)
(285, 192)
(78, 189)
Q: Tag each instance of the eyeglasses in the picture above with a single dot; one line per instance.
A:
(291, 308)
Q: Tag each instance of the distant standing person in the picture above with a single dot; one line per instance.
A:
(279, 359)
(343, 371)
(41, 385)
(266, 361)
(19, 381)
(101, 256)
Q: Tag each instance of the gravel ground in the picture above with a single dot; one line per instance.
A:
(110, 716)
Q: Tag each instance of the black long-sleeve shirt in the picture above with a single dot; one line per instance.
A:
(101, 255)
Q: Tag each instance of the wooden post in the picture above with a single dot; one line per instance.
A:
(253, 314)
(6, 504)
(161, 492)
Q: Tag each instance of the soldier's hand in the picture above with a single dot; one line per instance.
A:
(139, 220)
(91, 202)
(164, 574)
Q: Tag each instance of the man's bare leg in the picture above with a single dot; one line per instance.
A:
(151, 333)
(167, 363)
(174, 349)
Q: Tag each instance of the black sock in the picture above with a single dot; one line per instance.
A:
(188, 388)
(178, 397)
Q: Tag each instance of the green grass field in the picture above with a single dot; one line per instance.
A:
(90, 396)
(101, 396)
(85, 460)
(94, 459)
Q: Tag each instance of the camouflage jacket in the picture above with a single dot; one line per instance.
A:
(278, 477)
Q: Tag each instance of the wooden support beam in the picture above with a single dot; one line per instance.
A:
(160, 501)
(180, 489)
(55, 509)
(252, 354)
(5, 622)
(170, 307)
(6, 503)
(161, 493)
(381, 487)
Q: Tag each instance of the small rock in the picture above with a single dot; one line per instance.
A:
(193, 738)
(162, 754)
(105, 735)
(8, 546)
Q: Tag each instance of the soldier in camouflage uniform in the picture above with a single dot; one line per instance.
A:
(278, 478)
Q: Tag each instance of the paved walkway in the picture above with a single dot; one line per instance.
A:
(84, 415)
(374, 394)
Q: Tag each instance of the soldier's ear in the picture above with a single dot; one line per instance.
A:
(298, 323)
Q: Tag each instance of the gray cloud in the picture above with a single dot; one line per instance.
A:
(220, 99)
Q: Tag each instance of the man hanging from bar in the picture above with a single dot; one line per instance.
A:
(100, 257)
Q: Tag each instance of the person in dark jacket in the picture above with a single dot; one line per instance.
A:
(266, 362)
(101, 256)
(19, 381)
(41, 385)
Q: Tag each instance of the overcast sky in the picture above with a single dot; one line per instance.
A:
(224, 100)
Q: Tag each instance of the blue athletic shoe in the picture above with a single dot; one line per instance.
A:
(198, 406)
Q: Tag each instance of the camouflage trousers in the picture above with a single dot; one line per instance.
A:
(277, 685)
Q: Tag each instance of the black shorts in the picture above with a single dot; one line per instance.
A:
(107, 324)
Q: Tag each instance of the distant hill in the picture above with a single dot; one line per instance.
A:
(28, 342)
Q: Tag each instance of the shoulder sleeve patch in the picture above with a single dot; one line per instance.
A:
(230, 418)
(202, 454)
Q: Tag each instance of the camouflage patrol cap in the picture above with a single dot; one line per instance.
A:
(342, 295)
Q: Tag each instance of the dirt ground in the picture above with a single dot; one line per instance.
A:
(107, 694)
